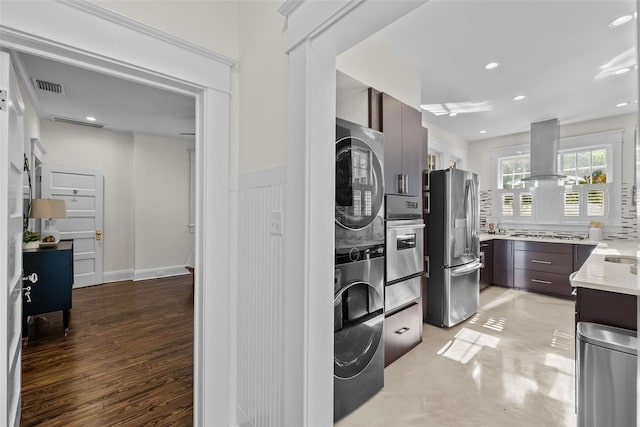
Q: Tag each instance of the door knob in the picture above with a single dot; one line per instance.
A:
(98, 234)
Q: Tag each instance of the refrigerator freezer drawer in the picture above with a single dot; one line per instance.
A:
(461, 294)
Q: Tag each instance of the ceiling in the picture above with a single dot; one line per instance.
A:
(559, 54)
(120, 105)
(551, 51)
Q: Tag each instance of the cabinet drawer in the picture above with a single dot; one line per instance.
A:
(538, 281)
(402, 332)
(556, 248)
(542, 261)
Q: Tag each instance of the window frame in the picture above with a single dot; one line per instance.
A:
(609, 140)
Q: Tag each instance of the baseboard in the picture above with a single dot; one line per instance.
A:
(117, 276)
(154, 273)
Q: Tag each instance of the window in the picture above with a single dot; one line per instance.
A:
(517, 197)
(512, 170)
(592, 190)
(584, 166)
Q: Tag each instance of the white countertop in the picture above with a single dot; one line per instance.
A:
(596, 273)
(486, 236)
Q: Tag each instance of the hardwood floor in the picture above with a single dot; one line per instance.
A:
(127, 360)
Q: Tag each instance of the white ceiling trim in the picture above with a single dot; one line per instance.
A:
(91, 51)
(132, 24)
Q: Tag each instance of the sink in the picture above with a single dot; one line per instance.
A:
(621, 259)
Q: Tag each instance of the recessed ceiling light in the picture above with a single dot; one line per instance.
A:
(483, 131)
(621, 71)
(620, 20)
(622, 104)
(453, 114)
(491, 66)
(91, 119)
(519, 97)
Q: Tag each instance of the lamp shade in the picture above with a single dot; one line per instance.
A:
(48, 208)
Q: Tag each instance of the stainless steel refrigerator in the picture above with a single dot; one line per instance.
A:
(453, 236)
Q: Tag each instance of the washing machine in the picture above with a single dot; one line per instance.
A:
(359, 213)
(358, 362)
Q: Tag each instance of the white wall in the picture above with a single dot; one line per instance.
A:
(480, 151)
(112, 153)
(252, 32)
(352, 99)
(146, 195)
(161, 203)
(262, 72)
(376, 64)
(210, 24)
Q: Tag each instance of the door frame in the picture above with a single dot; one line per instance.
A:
(317, 32)
(52, 33)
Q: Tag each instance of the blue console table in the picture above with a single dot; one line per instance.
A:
(51, 290)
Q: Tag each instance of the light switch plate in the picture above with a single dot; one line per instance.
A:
(275, 223)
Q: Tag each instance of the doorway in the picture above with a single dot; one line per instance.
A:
(202, 75)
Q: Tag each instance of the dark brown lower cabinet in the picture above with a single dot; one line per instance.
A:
(486, 257)
(543, 282)
(402, 332)
(607, 308)
(503, 263)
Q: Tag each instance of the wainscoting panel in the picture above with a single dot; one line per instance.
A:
(260, 308)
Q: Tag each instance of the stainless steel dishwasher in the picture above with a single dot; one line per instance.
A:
(606, 368)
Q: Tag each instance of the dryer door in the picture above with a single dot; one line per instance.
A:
(359, 183)
(358, 328)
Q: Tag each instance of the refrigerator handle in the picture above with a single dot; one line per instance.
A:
(468, 210)
(466, 269)
(476, 217)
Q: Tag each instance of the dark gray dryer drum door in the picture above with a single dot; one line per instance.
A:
(358, 328)
(359, 183)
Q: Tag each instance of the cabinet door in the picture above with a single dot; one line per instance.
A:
(486, 273)
(503, 263)
(392, 129)
(414, 148)
(580, 255)
(607, 308)
(402, 332)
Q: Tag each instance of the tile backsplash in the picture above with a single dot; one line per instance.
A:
(628, 230)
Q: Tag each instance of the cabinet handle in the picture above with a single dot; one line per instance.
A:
(540, 262)
(427, 203)
(402, 330)
(426, 267)
(544, 282)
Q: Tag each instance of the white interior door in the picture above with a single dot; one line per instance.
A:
(11, 163)
(82, 191)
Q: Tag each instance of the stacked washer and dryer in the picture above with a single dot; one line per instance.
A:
(359, 267)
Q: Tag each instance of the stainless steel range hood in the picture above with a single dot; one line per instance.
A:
(545, 137)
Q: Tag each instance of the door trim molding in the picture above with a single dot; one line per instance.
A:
(52, 33)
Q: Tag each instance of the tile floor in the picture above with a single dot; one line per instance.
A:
(512, 364)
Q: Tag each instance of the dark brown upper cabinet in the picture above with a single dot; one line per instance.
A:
(405, 141)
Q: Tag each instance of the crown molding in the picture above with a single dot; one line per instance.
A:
(288, 6)
(132, 24)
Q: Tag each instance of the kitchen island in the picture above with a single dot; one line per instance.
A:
(607, 291)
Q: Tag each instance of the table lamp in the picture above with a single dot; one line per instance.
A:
(49, 210)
